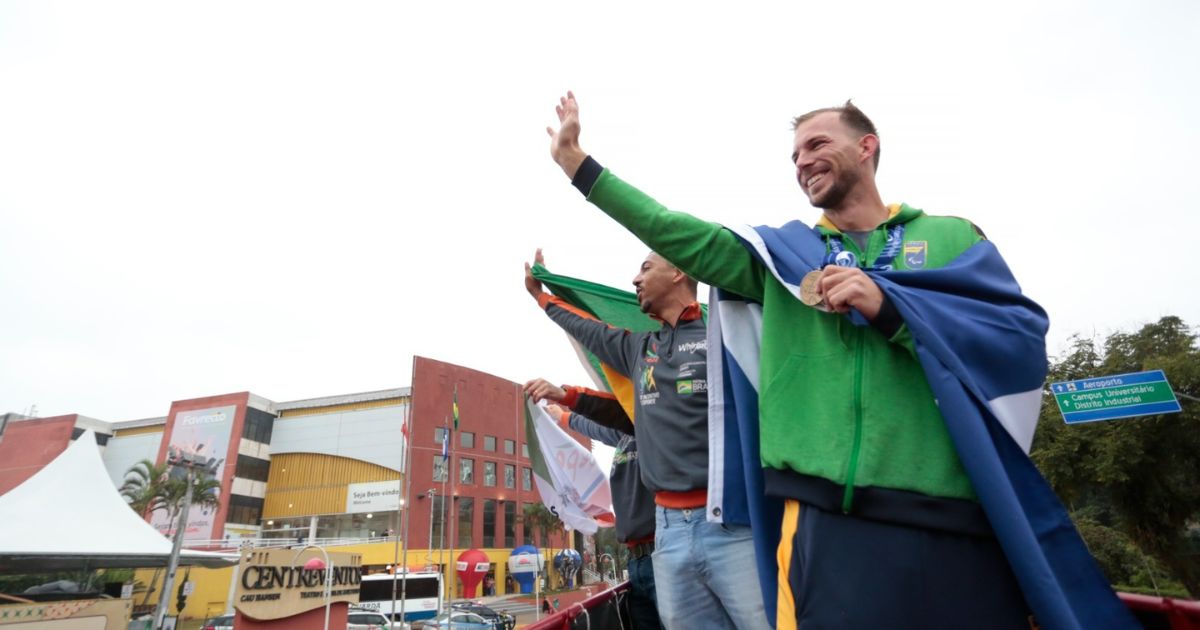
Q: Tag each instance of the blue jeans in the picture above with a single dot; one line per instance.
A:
(642, 600)
(705, 573)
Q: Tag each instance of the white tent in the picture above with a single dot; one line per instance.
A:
(69, 516)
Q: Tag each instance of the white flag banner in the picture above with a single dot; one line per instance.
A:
(571, 483)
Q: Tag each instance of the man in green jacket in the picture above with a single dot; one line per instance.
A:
(881, 528)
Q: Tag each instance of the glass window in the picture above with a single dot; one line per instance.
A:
(439, 468)
(510, 476)
(510, 447)
(510, 524)
(489, 443)
(466, 439)
(466, 520)
(525, 450)
(252, 468)
(526, 526)
(489, 523)
(244, 510)
(526, 479)
(439, 434)
(258, 425)
(489, 474)
(466, 471)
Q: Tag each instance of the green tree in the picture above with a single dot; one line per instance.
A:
(145, 486)
(150, 487)
(1138, 477)
(204, 495)
(539, 518)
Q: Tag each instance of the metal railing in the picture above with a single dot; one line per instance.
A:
(221, 544)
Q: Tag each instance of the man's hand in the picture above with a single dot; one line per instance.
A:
(564, 143)
(560, 415)
(540, 389)
(844, 288)
(533, 285)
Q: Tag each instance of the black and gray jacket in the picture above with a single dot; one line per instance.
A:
(670, 381)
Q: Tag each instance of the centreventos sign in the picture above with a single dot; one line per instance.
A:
(273, 584)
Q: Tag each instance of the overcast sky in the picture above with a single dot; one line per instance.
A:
(295, 198)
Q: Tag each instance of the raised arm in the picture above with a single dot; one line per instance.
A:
(614, 346)
(705, 251)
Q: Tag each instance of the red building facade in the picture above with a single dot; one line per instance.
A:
(489, 462)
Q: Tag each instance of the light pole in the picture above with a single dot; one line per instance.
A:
(317, 564)
(189, 463)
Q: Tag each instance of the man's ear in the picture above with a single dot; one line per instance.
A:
(868, 146)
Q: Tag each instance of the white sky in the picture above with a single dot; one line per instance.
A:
(294, 198)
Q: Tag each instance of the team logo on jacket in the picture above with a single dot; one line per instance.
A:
(648, 383)
(914, 254)
(651, 354)
(693, 386)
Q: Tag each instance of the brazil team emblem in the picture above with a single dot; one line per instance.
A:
(914, 254)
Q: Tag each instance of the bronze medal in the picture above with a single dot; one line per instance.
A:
(808, 291)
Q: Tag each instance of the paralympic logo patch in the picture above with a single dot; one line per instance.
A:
(914, 254)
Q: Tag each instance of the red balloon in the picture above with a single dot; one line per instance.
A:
(472, 565)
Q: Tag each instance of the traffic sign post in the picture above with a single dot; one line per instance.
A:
(1111, 397)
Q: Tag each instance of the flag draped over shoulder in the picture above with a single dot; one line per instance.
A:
(981, 344)
(612, 306)
(567, 476)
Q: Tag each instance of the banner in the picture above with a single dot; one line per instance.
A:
(567, 476)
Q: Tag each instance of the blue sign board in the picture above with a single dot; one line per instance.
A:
(1111, 397)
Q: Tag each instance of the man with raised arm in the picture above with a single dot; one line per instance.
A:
(883, 526)
(704, 573)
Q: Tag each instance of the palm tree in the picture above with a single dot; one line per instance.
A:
(540, 518)
(144, 487)
(149, 487)
(204, 495)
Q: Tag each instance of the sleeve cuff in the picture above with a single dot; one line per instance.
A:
(888, 321)
(587, 175)
(571, 398)
(543, 300)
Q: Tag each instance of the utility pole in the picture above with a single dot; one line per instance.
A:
(189, 463)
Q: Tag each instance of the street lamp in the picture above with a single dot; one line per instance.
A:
(316, 564)
(189, 463)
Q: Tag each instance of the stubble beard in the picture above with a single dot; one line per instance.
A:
(835, 195)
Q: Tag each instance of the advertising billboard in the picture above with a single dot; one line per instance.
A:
(204, 433)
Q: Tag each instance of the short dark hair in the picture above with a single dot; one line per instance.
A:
(851, 116)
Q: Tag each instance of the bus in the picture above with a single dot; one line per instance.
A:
(422, 594)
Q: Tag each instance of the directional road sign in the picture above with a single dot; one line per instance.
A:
(1119, 396)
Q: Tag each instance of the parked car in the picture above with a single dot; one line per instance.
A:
(223, 622)
(457, 620)
(499, 620)
(371, 620)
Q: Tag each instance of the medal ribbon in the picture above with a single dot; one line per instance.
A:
(839, 256)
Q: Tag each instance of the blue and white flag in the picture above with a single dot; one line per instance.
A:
(981, 344)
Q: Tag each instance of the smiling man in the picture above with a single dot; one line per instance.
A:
(882, 526)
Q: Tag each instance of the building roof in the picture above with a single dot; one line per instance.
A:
(345, 399)
(136, 424)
